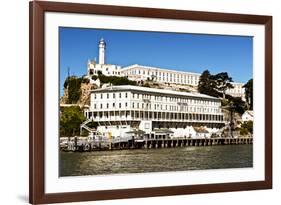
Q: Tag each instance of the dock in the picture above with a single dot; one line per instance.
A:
(118, 144)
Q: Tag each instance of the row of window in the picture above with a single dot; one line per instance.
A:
(107, 95)
(166, 76)
(177, 80)
(162, 74)
(160, 107)
(122, 95)
(158, 116)
(234, 90)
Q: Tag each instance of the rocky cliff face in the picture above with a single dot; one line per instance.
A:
(86, 88)
(170, 86)
(84, 97)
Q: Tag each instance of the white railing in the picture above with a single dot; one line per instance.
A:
(87, 128)
(84, 125)
(87, 121)
(156, 119)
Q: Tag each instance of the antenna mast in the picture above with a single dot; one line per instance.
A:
(68, 72)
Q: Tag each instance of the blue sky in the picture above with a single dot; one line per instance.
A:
(186, 52)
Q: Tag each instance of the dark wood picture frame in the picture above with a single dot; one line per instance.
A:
(36, 105)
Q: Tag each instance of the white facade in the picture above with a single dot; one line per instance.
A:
(120, 109)
(237, 90)
(139, 72)
(248, 116)
(94, 67)
(106, 69)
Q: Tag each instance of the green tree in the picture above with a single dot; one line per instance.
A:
(94, 77)
(238, 105)
(246, 127)
(207, 84)
(249, 93)
(70, 121)
(223, 82)
(74, 89)
(115, 80)
(73, 84)
(243, 131)
(99, 73)
(85, 80)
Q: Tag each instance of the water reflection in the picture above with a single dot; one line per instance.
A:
(155, 160)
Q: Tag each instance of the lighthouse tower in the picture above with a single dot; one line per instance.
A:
(102, 45)
(95, 67)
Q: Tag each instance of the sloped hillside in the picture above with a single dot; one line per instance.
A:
(77, 91)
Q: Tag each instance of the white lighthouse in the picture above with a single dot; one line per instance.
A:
(102, 45)
(95, 67)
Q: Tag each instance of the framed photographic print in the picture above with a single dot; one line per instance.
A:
(139, 102)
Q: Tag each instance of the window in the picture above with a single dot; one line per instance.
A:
(107, 105)
(126, 104)
(101, 106)
(107, 95)
(101, 96)
(146, 125)
(113, 95)
(95, 96)
(133, 105)
(120, 95)
(119, 105)
(126, 95)
(113, 104)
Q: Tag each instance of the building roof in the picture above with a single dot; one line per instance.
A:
(151, 90)
(237, 83)
(156, 68)
(249, 112)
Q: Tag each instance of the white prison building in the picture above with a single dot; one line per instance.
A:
(141, 73)
(237, 90)
(123, 110)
